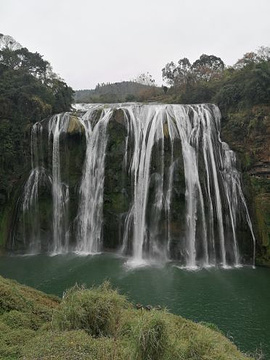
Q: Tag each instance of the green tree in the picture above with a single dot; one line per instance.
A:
(207, 67)
(178, 75)
(25, 60)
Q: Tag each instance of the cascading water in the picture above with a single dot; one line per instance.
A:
(182, 185)
(57, 125)
(198, 128)
(189, 133)
(234, 194)
(91, 190)
(30, 204)
(146, 127)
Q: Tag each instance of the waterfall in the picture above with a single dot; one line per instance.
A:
(185, 200)
(60, 191)
(234, 194)
(168, 194)
(91, 190)
(30, 206)
(189, 133)
(212, 192)
(145, 126)
(57, 125)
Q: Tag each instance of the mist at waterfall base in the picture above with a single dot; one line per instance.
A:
(175, 203)
(236, 300)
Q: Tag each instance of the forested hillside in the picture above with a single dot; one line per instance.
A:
(117, 92)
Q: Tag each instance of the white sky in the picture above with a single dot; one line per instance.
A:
(93, 41)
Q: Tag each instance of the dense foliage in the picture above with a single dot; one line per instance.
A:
(235, 88)
(29, 91)
(28, 87)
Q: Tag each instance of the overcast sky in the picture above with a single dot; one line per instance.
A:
(94, 41)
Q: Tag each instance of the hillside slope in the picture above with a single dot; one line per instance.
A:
(99, 323)
(117, 92)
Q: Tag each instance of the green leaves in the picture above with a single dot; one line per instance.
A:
(206, 68)
(28, 84)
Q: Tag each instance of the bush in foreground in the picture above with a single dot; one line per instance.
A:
(96, 310)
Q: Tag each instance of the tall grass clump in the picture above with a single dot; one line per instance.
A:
(151, 336)
(96, 311)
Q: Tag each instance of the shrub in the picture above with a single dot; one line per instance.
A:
(96, 310)
(151, 336)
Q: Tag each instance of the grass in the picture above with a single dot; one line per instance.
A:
(100, 324)
(96, 311)
(150, 336)
(14, 296)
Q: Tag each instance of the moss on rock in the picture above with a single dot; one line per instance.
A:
(75, 125)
